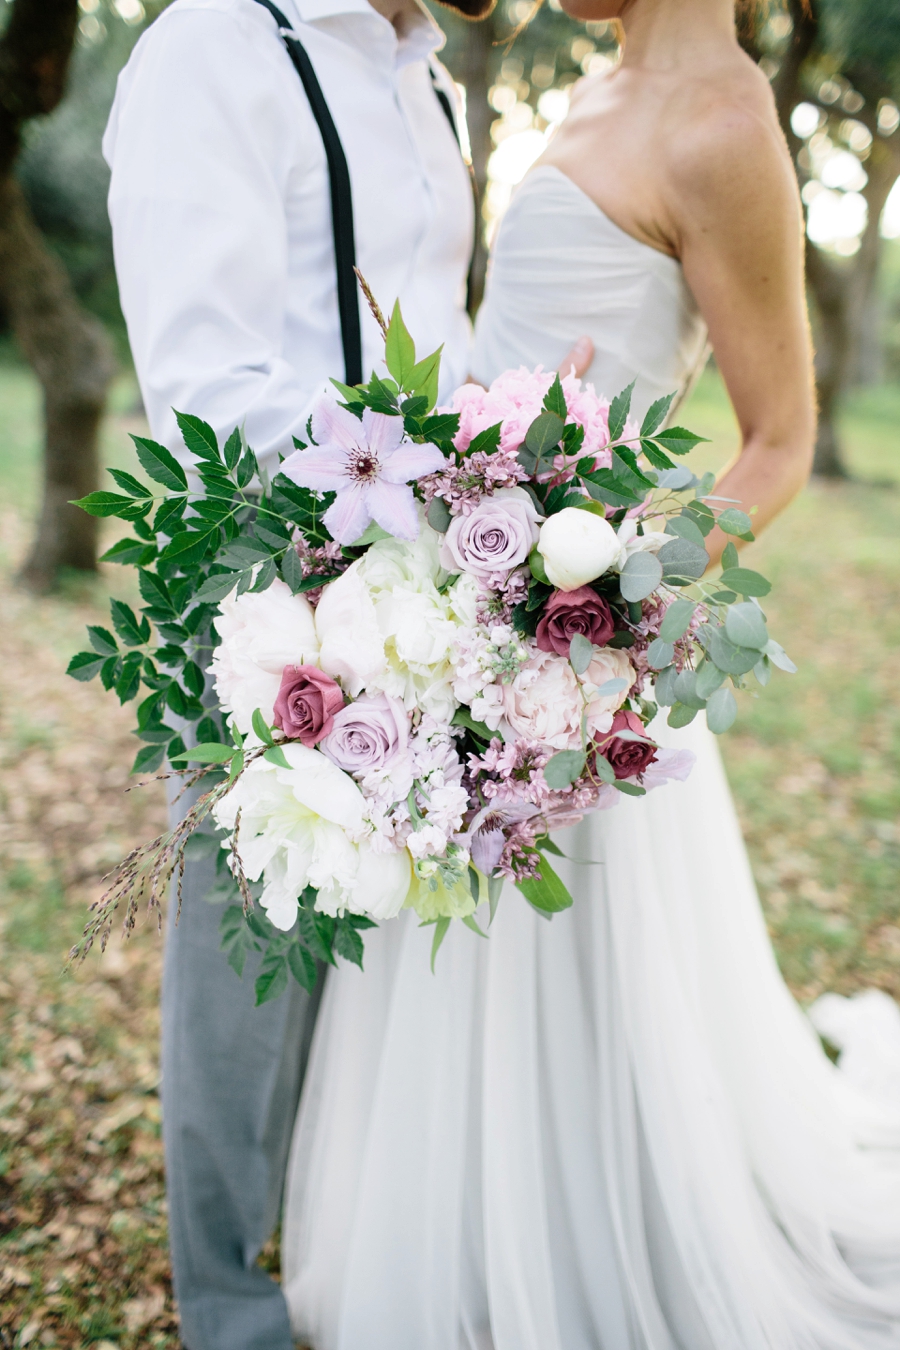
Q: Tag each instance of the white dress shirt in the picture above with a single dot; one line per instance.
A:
(221, 215)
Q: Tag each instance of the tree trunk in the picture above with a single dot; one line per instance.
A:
(73, 360)
(473, 71)
(67, 348)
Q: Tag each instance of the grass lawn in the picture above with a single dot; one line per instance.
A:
(814, 765)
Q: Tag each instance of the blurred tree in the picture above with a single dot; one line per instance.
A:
(67, 348)
(836, 75)
(507, 63)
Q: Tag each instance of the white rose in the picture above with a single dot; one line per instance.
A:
(261, 634)
(651, 541)
(543, 703)
(352, 648)
(577, 546)
(610, 663)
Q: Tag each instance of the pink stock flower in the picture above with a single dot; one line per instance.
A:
(369, 465)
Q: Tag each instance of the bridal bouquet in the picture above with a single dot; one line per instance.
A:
(433, 637)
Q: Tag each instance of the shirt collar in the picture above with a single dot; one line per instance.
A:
(422, 38)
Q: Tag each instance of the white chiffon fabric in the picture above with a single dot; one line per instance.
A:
(612, 1130)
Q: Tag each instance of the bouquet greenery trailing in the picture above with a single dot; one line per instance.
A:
(386, 672)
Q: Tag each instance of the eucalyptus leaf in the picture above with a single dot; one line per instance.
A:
(581, 653)
(664, 690)
(438, 515)
(745, 581)
(779, 657)
(681, 558)
(674, 480)
(733, 521)
(685, 527)
(681, 715)
(563, 768)
(686, 690)
(640, 576)
(709, 677)
(659, 654)
(721, 710)
(746, 626)
(677, 620)
(763, 671)
(729, 556)
(727, 656)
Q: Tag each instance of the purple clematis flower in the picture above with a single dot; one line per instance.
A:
(369, 465)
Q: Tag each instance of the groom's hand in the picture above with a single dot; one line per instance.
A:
(579, 359)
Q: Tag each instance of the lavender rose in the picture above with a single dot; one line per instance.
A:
(368, 734)
(496, 537)
(569, 612)
(306, 704)
(627, 758)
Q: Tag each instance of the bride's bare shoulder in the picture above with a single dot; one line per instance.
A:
(724, 142)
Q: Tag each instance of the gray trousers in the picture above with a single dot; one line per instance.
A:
(231, 1077)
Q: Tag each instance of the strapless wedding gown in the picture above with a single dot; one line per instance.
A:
(614, 1130)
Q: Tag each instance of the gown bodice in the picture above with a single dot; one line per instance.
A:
(561, 268)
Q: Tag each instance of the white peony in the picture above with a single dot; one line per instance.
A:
(352, 648)
(261, 634)
(306, 826)
(577, 546)
(385, 627)
(651, 541)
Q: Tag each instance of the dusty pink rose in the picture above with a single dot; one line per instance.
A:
(569, 612)
(627, 758)
(306, 704)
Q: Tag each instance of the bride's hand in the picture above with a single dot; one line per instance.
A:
(579, 357)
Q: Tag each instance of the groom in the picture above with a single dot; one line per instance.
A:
(228, 254)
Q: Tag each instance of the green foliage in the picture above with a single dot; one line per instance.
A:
(548, 893)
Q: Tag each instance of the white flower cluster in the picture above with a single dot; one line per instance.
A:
(486, 658)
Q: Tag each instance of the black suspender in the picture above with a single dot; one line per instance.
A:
(341, 200)
(341, 195)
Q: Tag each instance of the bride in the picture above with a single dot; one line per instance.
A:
(614, 1130)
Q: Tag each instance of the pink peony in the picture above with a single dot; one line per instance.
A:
(543, 703)
(516, 398)
(306, 704)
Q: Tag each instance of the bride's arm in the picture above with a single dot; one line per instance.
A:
(738, 225)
